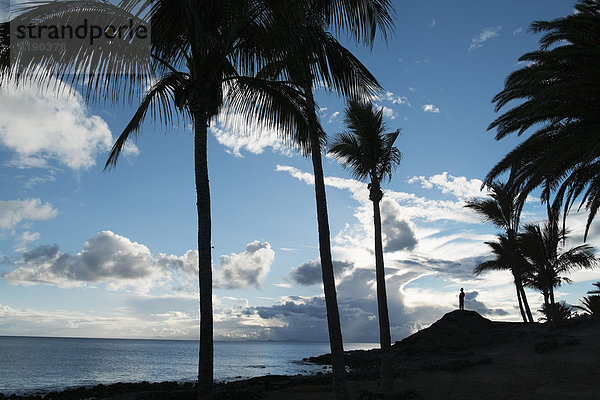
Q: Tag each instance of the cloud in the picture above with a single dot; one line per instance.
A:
(73, 138)
(431, 108)
(238, 134)
(485, 35)
(471, 303)
(309, 273)
(461, 187)
(518, 30)
(241, 270)
(105, 258)
(388, 112)
(432, 23)
(24, 239)
(333, 116)
(397, 233)
(12, 212)
(391, 97)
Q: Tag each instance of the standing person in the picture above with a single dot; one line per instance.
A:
(461, 299)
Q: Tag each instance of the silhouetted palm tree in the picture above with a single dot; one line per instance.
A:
(337, 69)
(596, 291)
(503, 210)
(205, 57)
(560, 89)
(211, 54)
(369, 153)
(560, 311)
(591, 304)
(541, 247)
(505, 257)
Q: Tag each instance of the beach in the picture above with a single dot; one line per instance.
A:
(462, 356)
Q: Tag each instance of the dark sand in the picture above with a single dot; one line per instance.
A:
(462, 356)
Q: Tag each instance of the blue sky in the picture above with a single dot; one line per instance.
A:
(111, 254)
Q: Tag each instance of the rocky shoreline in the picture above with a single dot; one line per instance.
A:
(460, 342)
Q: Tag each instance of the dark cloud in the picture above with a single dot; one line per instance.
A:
(396, 232)
(309, 273)
(106, 257)
(471, 303)
(462, 270)
(41, 253)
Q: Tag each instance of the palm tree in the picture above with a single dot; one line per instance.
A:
(205, 57)
(596, 291)
(541, 248)
(503, 210)
(557, 312)
(369, 153)
(505, 257)
(339, 70)
(209, 55)
(591, 304)
(559, 88)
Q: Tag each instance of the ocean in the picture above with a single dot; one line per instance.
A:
(38, 365)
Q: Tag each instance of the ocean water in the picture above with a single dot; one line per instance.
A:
(37, 365)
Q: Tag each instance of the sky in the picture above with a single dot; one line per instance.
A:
(90, 253)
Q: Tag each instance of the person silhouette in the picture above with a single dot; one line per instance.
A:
(461, 299)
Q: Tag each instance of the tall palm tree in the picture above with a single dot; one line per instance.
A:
(541, 247)
(503, 210)
(208, 55)
(205, 56)
(559, 90)
(334, 66)
(369, 153)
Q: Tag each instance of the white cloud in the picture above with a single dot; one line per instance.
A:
(238, 134)
(460, 186)
(389, 96)
(26, 238)
(431, 108)
(432, 23)
(333, 116)
(241, 270)
(42, 127)
(518, 30)
(389, 113)
(485, 35)
(12, 212)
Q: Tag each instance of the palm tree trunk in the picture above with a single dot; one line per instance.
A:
(520, 302)
(387, 372)
(336, 343)
(519, 284)
(552, 304)
(525, 303)
(547, 305)
(333, 317)
(205, 361)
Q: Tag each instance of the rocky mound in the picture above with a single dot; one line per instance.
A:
(463, 330)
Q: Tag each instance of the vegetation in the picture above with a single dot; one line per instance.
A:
(556, 312)
(369, 153)
(220, 55)
(560, 87)
(503, 210)
(591, 303)
(317, 56)
(541, 247)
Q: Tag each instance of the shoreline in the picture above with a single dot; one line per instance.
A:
(466, 355)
